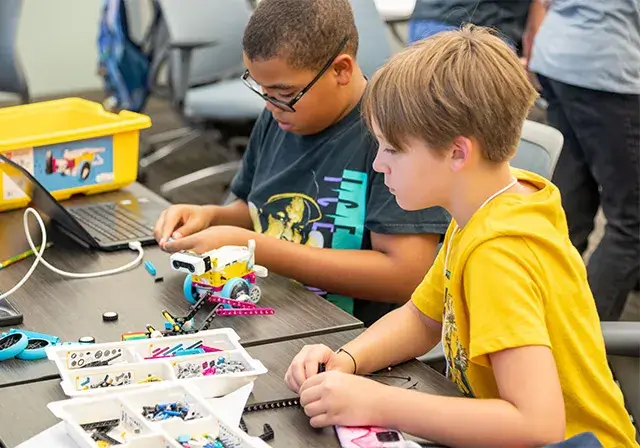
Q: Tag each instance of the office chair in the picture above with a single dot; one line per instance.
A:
(539, 148)
(204, 60)
(12, 78)
(622, 340)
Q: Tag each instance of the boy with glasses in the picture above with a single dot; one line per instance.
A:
(307, 174)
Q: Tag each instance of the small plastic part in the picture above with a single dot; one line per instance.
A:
(110, 316)
(37, 345)
(260, 271)
(267, 433)
(151, 269)
(12, 345)
(87, 340)
(189, 291)
(233, 302)
(159, 279)
(245, 312)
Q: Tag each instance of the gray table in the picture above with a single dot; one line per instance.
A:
(24, 412)
(72, 308)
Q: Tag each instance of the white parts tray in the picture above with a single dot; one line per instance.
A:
(130, 370)
(135, 431)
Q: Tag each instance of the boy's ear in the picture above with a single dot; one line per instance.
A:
(461, 149)
(343, 67)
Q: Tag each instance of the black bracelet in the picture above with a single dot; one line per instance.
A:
(355, 364)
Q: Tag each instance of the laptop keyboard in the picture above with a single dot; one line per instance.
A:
(111, 222)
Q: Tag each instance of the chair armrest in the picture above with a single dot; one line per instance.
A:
(622, 338)
(190, 46)
(185, 51)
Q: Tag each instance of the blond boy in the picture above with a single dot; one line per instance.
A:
(507, 295)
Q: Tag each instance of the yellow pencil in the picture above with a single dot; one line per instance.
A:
(22, 256)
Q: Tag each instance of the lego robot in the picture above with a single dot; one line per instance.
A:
(228, 272)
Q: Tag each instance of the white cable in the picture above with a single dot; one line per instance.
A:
(135, 245)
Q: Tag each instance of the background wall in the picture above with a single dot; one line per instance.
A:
(57, 43)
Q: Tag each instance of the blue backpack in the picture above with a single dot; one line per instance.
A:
(123, 64)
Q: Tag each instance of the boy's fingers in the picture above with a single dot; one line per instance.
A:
(189, 228)
(291, 382)
(186, 243)
(169, 223)
(310, 395)
(157, 229)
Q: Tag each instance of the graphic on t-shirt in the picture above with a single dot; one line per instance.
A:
(455, 354)
(333, 215)
(289, 217)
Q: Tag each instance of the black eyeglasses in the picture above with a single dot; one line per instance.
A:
(288, 105)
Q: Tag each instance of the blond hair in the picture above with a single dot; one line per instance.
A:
(466, 82)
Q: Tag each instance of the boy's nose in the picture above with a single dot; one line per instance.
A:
(272, 107)
(379, 166)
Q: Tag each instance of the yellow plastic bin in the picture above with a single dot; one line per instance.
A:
(71, 146)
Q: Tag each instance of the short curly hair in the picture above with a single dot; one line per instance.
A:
(306, 33)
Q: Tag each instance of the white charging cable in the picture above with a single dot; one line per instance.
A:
(135, 245)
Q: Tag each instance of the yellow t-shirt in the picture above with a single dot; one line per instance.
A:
(514, 279)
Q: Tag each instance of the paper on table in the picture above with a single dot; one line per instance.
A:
(229, 408)
(54, 437)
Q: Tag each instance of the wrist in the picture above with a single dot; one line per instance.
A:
(340, 362)
(211, 212)
(345, 362)
(383, 414)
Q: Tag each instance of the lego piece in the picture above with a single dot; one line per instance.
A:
(101, 436)
(133, 336)
(110, 316)
(232, 302)
(245, 312)
(36, 344)
(104, 425)
(159, 279)
(12, 345)
(267, 433)
(87, 340)
(151, 269)
(275, 404)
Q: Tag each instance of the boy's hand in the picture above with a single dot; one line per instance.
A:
(305, 364)
(209, 239)
(336, 398)
(182, 220)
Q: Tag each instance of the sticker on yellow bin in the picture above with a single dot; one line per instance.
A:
(70, 146)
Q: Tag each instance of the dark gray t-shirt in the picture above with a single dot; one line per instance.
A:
(321, 190)
(507, 16)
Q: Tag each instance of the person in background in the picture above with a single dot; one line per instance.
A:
(307, 192)
(507, 295)
(586, 57)
(507, 16)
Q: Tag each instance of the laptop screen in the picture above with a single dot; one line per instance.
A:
(41, 199)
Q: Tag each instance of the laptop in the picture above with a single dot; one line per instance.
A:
(106, 221)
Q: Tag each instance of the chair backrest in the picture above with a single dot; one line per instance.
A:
(374, 48)
(12, 79)
(200, 21)
(539, 148)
